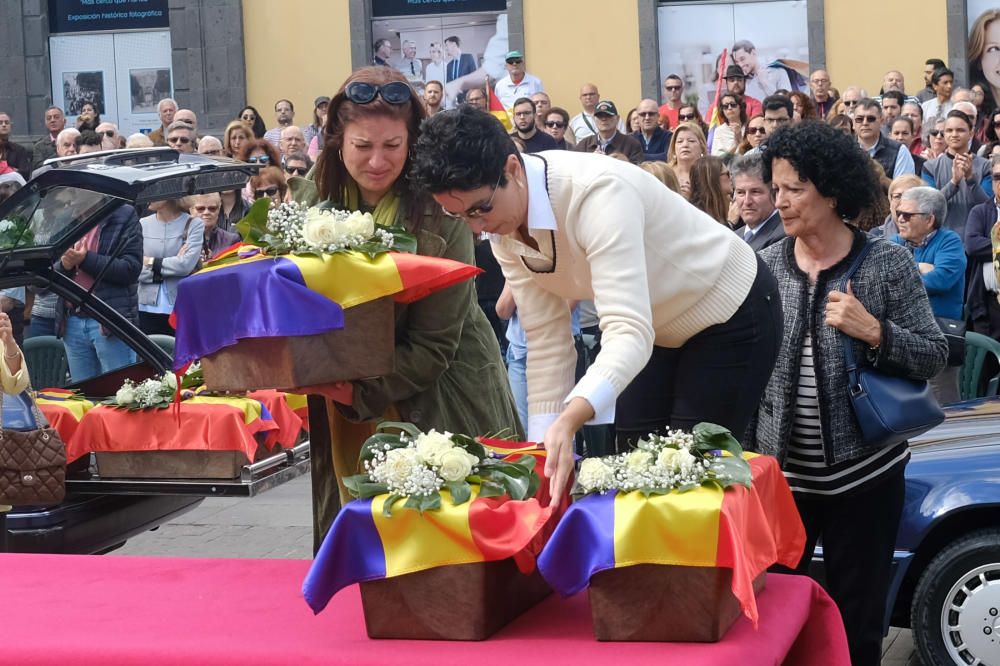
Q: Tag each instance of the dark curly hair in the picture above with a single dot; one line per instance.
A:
(831, 160)
(463, 149)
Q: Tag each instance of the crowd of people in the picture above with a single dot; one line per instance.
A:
(643, 271)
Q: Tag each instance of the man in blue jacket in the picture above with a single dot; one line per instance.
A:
(653, 138)
(114, 246)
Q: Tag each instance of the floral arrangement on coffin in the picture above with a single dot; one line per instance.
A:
(663, 463)
(294, 228)
(156, 392)
(416, 466)
(15, 232)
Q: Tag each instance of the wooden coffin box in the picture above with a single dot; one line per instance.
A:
(653, 602)
(170, 464)
(365, 347)
(463, 602)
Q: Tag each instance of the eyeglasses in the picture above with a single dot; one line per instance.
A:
(395, 92)
(851, 102)
(819, 81)
(730, 105)
(865, 119)
(514, 61)
(296, 171)
(904, 216)
(685, 116)
(757, 130)
(896, 197)
(777, 121)
(183, 140)
(522, 114)
(671, 88)
(266, 192)
(996, 178)
(996, 123)
(936, 133)
(206, 209)
(212, 152)
(249, 117)
(481, 209)
(734, 78)
(554, 124)
(647, 114)
(259, 159)
(109, 133)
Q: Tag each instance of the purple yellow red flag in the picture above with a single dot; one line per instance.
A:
(364, 545)
(497, 109)
(716, 117)
(739, 529)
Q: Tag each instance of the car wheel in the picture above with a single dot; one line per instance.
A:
(955, 614)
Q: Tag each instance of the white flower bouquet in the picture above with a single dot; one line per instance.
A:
(662, 463)
(154, 393)
(294, 228)
(15, 232)
(416, 466)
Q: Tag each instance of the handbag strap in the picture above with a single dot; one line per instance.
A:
(850, 362)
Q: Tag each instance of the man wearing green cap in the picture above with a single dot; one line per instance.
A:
(517, 83)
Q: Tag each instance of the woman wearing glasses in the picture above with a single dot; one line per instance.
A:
(556, 122)
(251, 118)
(449, 374)
(690, 317)
(962, 177)
(753, 135)
(726, 138)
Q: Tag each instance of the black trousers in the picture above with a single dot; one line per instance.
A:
(718, 376)
(859, 534)
(154, 322)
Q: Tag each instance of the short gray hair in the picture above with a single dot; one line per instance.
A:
(750, 165)
(180, 125)
(930, 201)
(165, 100)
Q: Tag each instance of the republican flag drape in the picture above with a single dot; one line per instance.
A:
(496, 108)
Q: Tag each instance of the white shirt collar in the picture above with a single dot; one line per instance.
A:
(540, 213)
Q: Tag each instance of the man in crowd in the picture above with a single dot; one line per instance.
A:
(608, 139)
(852, 96)
(526, 130)
(653, 139)
(433, 96)
(893, 80)
(88, 142)
(761, 223)
(819, 83)
(518, 83)
(188, 116)
(209, 145)
(292, 141)
(476, 97)
(915, 113)
(582, 124)
(181, 137)
(938, 106)
(44, 148)
(284, 113)
(542, 105)
(410, 65)
(556, 124)
(297, 164)
(66, 142)
(673, 98)
(761, 79)
(110, 138)
(166, 108)
(15, 155)
(778, 112)
(901, 130)
(383, 51)
(969, 109)
(929, 66)
(894, 157)
(892, 106)
(736, 83)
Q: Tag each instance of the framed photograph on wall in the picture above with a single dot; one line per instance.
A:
(81, 88)
(147, 87)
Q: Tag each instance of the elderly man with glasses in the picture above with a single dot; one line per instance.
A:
(654, 139)
(181, 137)
(894, 157)
(518, 83)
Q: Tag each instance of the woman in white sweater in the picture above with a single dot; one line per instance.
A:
(690, 318)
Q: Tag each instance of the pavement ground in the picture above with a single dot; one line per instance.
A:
(278, 524)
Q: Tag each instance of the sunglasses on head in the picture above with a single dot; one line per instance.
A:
(395, 92)
(555, 124)
(259, 159)
(296, 171)
(266, 192)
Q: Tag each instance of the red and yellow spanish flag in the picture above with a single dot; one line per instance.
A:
(717, 118)
(497, 110)
(739, 529)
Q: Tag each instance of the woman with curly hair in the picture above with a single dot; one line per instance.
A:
(848, 492)
(803, 108)
(686, 145)
(261, 152)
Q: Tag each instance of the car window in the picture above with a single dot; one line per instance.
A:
(44, 217)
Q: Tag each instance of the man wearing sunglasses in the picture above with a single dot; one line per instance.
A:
(180, 137)
(297, 164)
(673, 98)
(852, 96)
(518, 83)
(736, 83)
(608, 139)
(894, 157)
(654, 139)
(110, 138)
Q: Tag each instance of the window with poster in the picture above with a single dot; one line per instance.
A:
(114, 57)
(459, 43)
(767, 39)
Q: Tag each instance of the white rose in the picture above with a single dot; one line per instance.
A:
(358, 224)
(170, 381)
(667, 457)
(125, 395)
(320, 228)
(456, 464)
(6, 225)
(400, 465)
(684, 461)
(432, 446)
(638, 460)
(595, 475)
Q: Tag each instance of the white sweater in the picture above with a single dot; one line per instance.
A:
(658, 270)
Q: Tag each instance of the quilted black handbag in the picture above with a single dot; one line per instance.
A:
(32, 455)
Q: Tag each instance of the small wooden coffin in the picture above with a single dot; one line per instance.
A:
(654, 602)
(365, 347)
(170, 464)
(463, 602)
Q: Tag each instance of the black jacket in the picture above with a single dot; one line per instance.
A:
(119, 286)
(656, 149)
(979, 247)
(771, 231)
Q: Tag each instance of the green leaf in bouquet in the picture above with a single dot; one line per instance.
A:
(655, 491)
(362, 487)
(410, 429)
(527, 462)
(253, 226)
(423, 503)
(470, 445)
(489, 488)
(371, 249)
(403, 241)
(378, 442)
(513, 479)
(460, 491)
(387, 505)
(712, 437)
(326, 204)
(733, 470)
